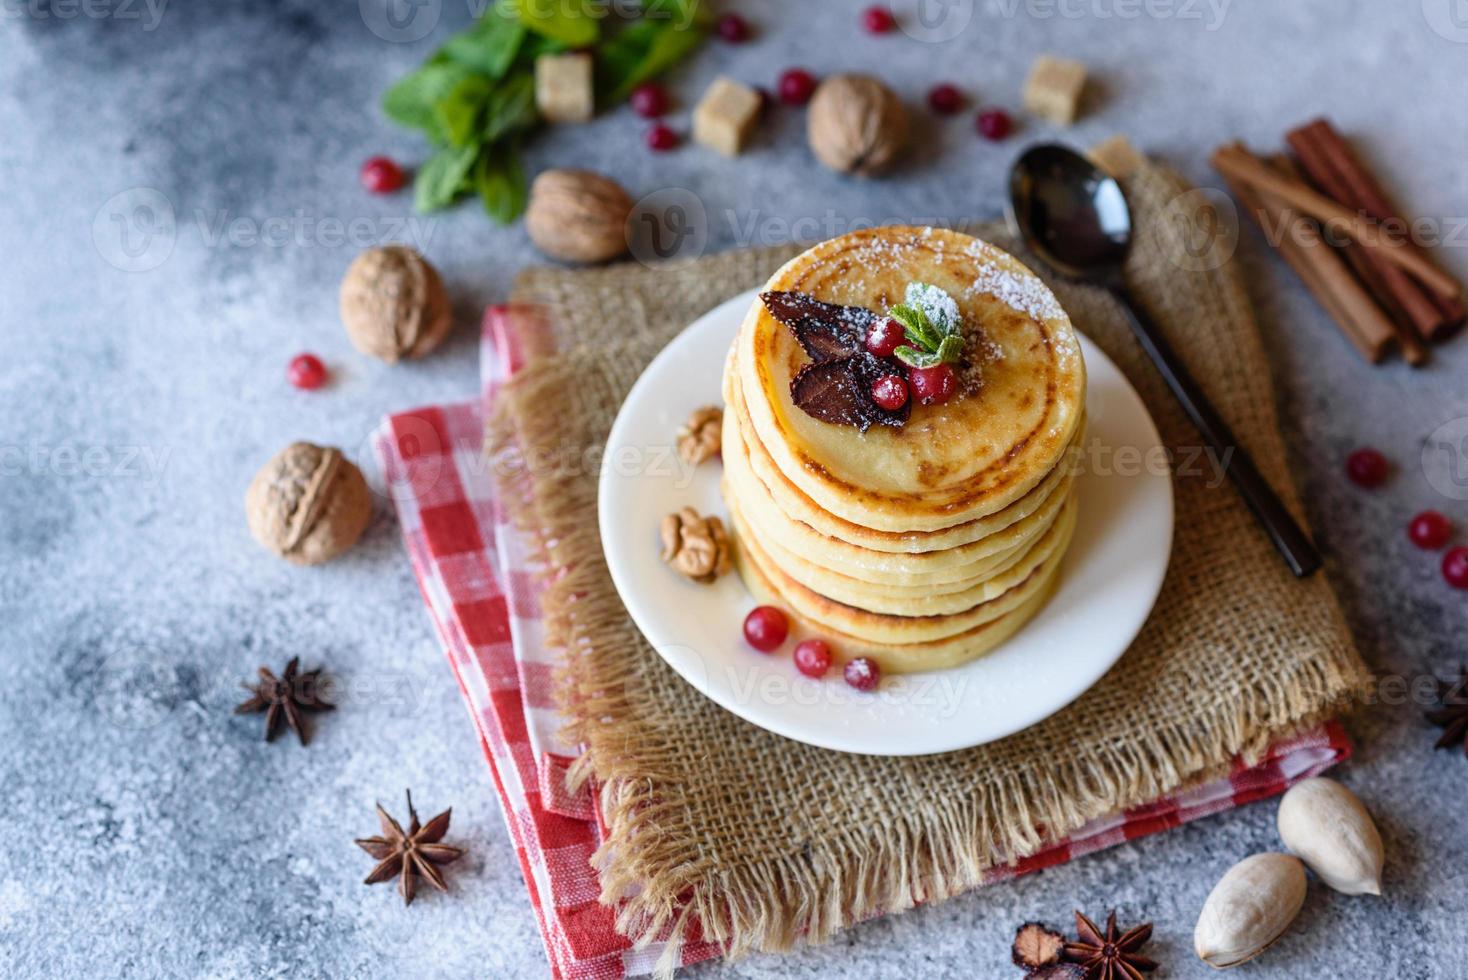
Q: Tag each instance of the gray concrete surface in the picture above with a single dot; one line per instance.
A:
(150, 833)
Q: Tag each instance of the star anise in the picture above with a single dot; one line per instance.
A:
(1452, 717)
(1111, 956)
(405, 856)
(283, 698)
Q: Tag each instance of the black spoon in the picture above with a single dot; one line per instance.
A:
(1076, 219)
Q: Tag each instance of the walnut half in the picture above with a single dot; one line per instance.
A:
(698, 440)
(695, 545)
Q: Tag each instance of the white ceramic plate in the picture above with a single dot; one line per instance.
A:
(1108, 584)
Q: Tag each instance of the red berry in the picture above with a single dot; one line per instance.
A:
(649, 100)
(934, 385)
(1367, 468)
(733, 28)
(862, 673)
(884, 337)
(878, 20)
(381, 176)
(796, 86)
(945, 99)
(812, 658)
(890, 392)
(995, 124)
(1455, 567)
(1430, 530)
(661, 138)
(766, 628)
(306, 371)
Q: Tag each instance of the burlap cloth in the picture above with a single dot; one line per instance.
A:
(764, 840)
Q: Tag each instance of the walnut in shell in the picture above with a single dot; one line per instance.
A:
(695, 545)
(308, 504)
(393, 304)
(578, 216)
(701, 435)
(856, 124)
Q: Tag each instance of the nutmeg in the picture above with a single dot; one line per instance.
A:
(578, 216)
(393, 304)
(856, 124)
(308, 504)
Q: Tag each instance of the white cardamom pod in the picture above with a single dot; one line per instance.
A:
(1250, 907)
(1326, 825)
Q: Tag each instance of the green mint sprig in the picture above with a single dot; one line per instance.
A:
(474, 98)
(932, 326)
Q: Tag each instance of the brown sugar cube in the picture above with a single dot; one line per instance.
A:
(1117, 156)
(1053, 91)
(726, 116)
(563, 92)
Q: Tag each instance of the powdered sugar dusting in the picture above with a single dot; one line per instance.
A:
(1026, 294)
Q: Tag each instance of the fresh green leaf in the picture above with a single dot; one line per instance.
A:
(410, 102)
(443, 177)
(950, 351)
(499, 180)
(536, 45)
(937, 306)
(511, 108)
(490, 46)
(682, 14)
(642, 51)
(458, 113)
(913, 357)
(571, 22)
(916, 327)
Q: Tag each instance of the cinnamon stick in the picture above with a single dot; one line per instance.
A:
(1339, 171)
(1249, 169)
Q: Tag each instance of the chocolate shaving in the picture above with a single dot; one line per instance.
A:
(825, 330)
(840, 392)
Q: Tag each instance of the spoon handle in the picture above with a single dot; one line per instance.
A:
(1293, 544)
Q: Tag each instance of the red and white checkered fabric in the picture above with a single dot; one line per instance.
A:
(476, 577)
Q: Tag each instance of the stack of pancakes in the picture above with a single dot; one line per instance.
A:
(927, 545)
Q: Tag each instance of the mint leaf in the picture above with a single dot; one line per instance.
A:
(442, 177)
(490, 46)
(939, 307)
(640, 52)
(913, 357)
(510, 108)
(458, 112)
(499, 180)
(569, 21)
(916, 327)
(410, 102)
(950, 351)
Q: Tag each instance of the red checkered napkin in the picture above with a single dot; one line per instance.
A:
(479, 584)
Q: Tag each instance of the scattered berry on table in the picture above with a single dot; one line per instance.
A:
(766, 628)
(890, 392)
(1430, 530)
(812, 658)
(934, 385)
(733, 28)
(878, 20)
(649, 100)
(661, 138)
(995, 124)
(1455, 567)
(945, 99)
(381, 176)
(862, 673)
(1367, 468)
(796, 86)
(884, 337)
(306, 371)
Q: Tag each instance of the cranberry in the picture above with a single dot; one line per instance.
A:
(381, 176)
(995, 124)
(796, 86)
(890, 392)
(661, 138)
(649, 100)
(1455, 567)
(878, 20)
(1429, 530)
(733, 28)
(862, 673)
(1367, 468)
(306, 371)
(766, 628)
(812, 658)
(934, 385)
(884, 337)
(945, 99)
